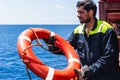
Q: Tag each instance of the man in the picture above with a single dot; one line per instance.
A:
(96, 44)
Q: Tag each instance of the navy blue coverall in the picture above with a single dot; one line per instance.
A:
(98, 50)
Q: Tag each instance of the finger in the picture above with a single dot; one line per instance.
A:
(82, 78)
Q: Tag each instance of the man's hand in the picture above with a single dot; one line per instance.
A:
(50, 44)
(76, 78)
(80, 74)
(84, 72)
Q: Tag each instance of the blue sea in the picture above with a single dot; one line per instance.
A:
(11, 66)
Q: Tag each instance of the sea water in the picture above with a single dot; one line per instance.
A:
(11, 66)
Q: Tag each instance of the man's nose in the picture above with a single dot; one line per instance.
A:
(78, 15)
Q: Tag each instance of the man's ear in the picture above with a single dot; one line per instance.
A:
(91, 12)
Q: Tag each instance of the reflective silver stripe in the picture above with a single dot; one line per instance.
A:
(50, 74)
(100, 27)
(74, 60)
(25, 37)
(52, 34)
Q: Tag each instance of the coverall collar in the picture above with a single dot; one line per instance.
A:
(94, 26)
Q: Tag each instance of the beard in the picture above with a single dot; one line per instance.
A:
(85, 21)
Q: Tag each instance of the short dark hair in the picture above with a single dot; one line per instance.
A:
(88, 5)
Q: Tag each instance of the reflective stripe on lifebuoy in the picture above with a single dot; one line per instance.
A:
(25, 37)
(37, 66)
(50, 74)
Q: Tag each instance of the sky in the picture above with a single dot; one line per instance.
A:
(39, 11)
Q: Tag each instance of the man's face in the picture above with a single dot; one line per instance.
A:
(83, 15)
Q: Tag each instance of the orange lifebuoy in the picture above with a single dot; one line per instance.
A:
(37, 66)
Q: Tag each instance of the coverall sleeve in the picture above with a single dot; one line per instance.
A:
(72, 40)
